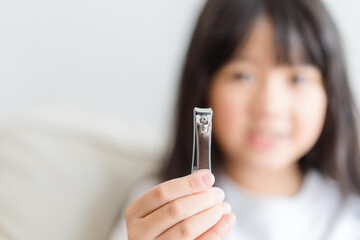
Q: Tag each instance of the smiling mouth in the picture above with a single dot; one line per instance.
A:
(264, 140)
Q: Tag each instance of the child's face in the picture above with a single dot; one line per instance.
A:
(266, 115)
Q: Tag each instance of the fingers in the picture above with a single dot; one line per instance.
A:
(196, 225)
(222, 228)
(169, 191)
(182, 208)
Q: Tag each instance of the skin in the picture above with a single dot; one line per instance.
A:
(183, 208)
(266, 116)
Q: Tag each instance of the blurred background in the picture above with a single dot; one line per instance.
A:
(110, 61)
(99, 76)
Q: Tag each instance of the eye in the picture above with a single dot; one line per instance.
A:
(299, 79)
(244, 76)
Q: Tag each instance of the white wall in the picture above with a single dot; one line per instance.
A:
(347, 17)
(111, 62)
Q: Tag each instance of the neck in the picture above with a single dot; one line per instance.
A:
(284, 182)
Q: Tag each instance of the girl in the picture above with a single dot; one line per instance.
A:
(285, 140)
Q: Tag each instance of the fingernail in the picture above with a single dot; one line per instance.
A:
(230, 219)
(208, 179)
(220, 194)
(226, 207)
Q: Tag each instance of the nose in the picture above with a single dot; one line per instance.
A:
(271, 98)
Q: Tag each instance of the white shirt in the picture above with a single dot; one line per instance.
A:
(316, 212)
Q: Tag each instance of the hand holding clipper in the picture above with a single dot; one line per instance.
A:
(188, 207)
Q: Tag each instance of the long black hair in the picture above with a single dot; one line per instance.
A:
(222, 27)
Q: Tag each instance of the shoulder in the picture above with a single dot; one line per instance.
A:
(329, 189)
(346, 222)
(345, 219)
(328, 186)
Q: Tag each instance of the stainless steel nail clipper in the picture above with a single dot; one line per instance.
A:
(202, 139)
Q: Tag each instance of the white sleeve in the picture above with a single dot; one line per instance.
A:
(119, 231)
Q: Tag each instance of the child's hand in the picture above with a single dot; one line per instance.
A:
(183, 208)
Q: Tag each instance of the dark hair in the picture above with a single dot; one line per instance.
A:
(222, 27)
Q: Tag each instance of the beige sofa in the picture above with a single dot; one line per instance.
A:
(62, 181)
